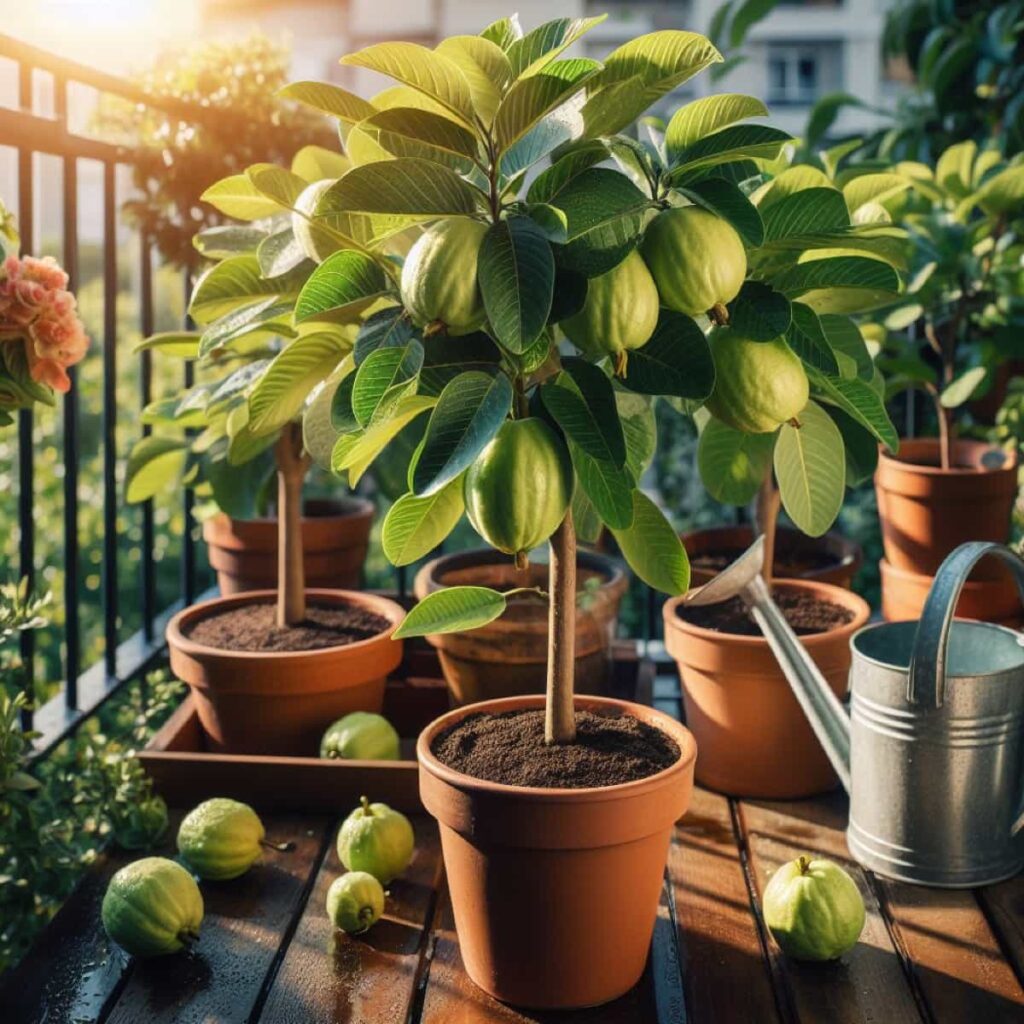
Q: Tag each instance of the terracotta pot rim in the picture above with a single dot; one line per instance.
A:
(176, 636)
(360, 508)
(888, 461)
(468, 783)
(920, 578)
(851, 553)
(829, 591)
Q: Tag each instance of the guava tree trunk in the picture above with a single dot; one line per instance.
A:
(292, 464)
(559, 718)
(766, 513)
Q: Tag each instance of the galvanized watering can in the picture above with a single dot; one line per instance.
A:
(932, 751)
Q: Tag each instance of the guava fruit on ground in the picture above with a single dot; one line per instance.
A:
(813, 909)
(376, 839)
(759, 385)
(697, 261)
(220, 839)
(619, 314)
(439, 283)
(152, 907)
(519, 487)
(361, 736)
(316, 243)
(355, 902)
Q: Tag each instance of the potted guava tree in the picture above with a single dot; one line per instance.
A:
(951, 336)
(269, 668)
(531, 327)
(797, 413)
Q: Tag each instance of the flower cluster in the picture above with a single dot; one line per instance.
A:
(38, 312)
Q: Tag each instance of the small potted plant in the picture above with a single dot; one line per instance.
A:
(949, 336)
(269, 671)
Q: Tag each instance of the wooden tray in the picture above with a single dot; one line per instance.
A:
(184, 771)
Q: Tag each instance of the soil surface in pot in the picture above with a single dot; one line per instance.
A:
(806, 613)
(509, 748)
(788, 564)
(252, 627)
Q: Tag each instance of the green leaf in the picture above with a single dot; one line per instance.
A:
(319, 434)
(759, 313)
(609, 487)
(343, 419)
(861, 447)
(236, 196)
(225, 240)
(810, 210)
(329, 99)
(963, 387)
(452, 610)
(277, 184)
(810, 466)
(387, 328)
(279, 253)
(404, 132)
(406, 186)
(414, 526)
(486, 68)
(1004, 192)
(516, 273)
(872, 188)
(859, 400)
(585, 518)
(738, 142)
(640, 72)
(676, 361)
(653, 549)
(725, 200)
(153, 463)
(182, 344)
(845, 284)
(446, 357)
(468, 414)
(733, 464)
(639, 428)
(258, 320)
(289, 379)
(535, 50)
(356, 452)
(807, 338)
(503, 32)
(582, 402)
(342, 286)
(424, 70)
(552, 180)
(699, 118)
(845, 339)
(379, 373)
(314, 163)
(237, 282)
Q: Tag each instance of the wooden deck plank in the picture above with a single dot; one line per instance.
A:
(1004, 905)
(956, 957)
(246, 920)
(327, 977)
(451, 998)
(725, 975)
(868, 983)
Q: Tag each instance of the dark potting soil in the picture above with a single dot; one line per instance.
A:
(804, 612)
(510, 748)
(251, 627)
(788, 564)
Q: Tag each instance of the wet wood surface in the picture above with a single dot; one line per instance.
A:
(267, 952)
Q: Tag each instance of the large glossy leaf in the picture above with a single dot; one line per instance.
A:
(425, 70)
(1004, 192)
(706, 115)
(236, 196)
(653, 549)
(759, 313)
(640, 72)
(382, 372)
(486, 69)
(503, 32)
(446, 357)
(516, 273)
(354, 453)
(314, 163)
(733, 464)
(963, 387)
(237, 282)
(277, 184)
(737, 142)
(407, 186)
(723, 198)
(639, 428)
(859, 400)
(329, 99)
(873, 188)
(836, 285)
(414, 526)
(293, 374)
(182, 344)
(225, 240)
(810, 467)
(404, 132)
(468, 414)
(319, 433)
(582, 402)
(552, 180)
(535, 50)
(153, 464)
(387, 328)
(267, 318)
(805, 212)
(675, 361)
(452, 610)
(861, 447)
(609, 487)
(280, 253)
(343, 285)
(848, 344)
(807, 338)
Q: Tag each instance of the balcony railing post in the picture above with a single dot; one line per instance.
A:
(110, 532)
(188, 547)
(146, 392)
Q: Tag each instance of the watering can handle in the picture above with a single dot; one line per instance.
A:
(926, 683)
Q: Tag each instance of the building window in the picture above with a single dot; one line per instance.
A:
(800, 74)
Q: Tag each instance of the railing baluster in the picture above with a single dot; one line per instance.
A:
(188, 544)
(110, 538)
(146, 391)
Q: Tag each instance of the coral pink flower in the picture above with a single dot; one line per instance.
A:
(37, 309)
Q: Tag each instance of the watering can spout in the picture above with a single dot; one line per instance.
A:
(826, 714)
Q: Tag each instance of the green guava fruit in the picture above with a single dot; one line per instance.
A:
(355, 902)
(361, 736)
(519, 487)
(316, 243)
(220, 838)
(439, 286)
(376, 839)
(697, 261)
(759, 385)
(813, 909)
(620, 312)
(152, 907)
(139, 826)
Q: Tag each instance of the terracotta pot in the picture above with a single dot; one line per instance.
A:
(335, 536)
(990, 600)
(842, 558)
(509, 656)
(927, 511)
(280, 702)
(753, 737)
(555, 891)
